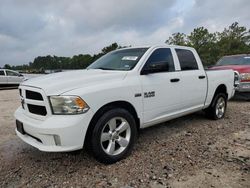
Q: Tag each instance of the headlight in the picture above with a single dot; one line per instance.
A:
(68, 105)
(236, 79)
(245, 77)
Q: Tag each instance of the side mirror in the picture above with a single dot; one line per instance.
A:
(155, 67)
(20, 75)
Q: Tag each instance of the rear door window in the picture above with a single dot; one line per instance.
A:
(186, 59)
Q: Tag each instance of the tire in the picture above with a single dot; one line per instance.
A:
(218, 107)
(113, 136)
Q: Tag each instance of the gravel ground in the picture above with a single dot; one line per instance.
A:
(188, 152)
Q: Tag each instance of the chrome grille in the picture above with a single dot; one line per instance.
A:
(33, 101)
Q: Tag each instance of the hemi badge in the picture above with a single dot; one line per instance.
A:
(138, 95)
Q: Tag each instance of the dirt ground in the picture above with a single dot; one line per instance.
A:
(188, 152)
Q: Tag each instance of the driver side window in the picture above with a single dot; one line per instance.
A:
(163, 56)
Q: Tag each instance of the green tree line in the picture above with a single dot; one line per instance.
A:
(211, 46)
(81, 61)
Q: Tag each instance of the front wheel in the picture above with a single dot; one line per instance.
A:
(217, 109)
(113, 136)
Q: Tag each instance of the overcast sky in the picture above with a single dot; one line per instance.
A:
(29, 28)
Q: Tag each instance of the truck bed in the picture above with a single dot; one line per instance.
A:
(215, 78)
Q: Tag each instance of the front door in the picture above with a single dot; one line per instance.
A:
(161, 89)
(13, 77)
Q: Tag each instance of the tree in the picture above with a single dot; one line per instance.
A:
(81, 61)
(7, 66)
(177, 39)
(106, 50)
(211, 46)
(200, 37)
(110, 48)
(235, 39)
(205, 44)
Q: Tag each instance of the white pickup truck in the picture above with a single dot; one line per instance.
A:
(104, 106)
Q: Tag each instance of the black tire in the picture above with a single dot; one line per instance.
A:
(97, 146)
(212, 112)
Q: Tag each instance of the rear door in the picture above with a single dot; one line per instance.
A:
(193, 79)
(3, 78)
(161, 90)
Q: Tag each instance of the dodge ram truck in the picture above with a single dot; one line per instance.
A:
(104, 106)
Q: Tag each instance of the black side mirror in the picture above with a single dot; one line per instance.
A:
(155, 67)
(20, 75)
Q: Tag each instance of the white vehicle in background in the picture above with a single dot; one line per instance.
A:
(104, 106)
(10, 78)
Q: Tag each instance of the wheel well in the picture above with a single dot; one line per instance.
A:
(221, 89)
(117, 104)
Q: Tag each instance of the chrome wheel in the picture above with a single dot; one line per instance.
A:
(220, 107)
(115, 136)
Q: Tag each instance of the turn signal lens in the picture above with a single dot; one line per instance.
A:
(80, 103)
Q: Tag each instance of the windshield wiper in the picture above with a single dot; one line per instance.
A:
(104, 68)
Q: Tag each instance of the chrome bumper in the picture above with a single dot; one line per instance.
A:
(243, 87)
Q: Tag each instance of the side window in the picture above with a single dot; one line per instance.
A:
(2, 73)
(186, 59)
(10, 73)
(162, 55)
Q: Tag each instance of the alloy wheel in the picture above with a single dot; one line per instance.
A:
(220, 107)
(115, 136)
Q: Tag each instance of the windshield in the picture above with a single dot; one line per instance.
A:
(234, 60)
(123, 60)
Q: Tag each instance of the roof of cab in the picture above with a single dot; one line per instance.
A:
(158, 46)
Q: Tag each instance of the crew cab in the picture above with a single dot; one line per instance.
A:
(241, 65)
(104, 106)
(10, 78)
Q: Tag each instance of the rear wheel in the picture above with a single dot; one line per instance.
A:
(217, 109)
(113, 136)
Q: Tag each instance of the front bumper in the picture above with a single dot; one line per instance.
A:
(57, 133)
(243, 87)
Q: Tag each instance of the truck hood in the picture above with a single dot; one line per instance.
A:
(59, 83)
(239, 68)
